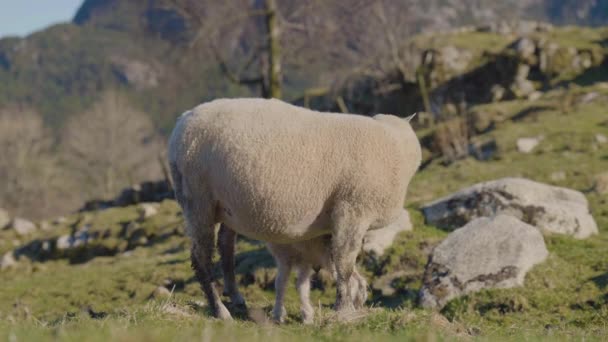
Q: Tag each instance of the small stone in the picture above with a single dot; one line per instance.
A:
(147, 210)
(527, 145)
(525, 47)
(558, 176)
(45, 226)
(589, 97)
(64, 242)
(60, 220)
(22, 226)
(601, 139)
(8, 261)
(601, 183)
(535, 96)
(5, 218)
(498, 92)
(161, 292)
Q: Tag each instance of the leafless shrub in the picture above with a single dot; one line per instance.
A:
(451, 139)
(29, 170)
(111, 146)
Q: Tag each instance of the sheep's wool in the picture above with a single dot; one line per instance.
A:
(280, 173)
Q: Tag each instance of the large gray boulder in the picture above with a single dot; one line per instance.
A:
(486, 253)
(549, 208)
(378, 240)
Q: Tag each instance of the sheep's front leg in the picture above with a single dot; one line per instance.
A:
(303, 286)
(280, 284)
(347, 238)
(226, 242)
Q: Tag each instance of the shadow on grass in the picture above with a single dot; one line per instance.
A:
(601, 281)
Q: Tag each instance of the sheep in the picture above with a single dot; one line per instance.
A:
(305, 256)
(281, 174)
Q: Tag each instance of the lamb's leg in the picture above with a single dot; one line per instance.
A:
(226, 242)
(303, 286)
(280, 283)
(347, 237)
(360, 289)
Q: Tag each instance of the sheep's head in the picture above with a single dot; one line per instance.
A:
(404, 129)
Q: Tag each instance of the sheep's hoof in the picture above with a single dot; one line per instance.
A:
(308, 319)
(223, 313)
(279, 315)
(237, 300)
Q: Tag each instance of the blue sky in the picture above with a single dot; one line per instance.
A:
(22, 17)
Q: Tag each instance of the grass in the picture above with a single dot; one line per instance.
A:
(81, 295)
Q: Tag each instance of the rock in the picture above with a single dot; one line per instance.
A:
(487, 253)
(522, 88)
(483, 150)
(147, 210)
(378, 240)
(523, 70)
(45, 226)
(59, 220)
(5, 218)
(527, 145)
(384, 284)
(601, 139)
(589, 97)
(549, 208)
(22, 226)
(535, 96)
(8, 261)
(80, 238)
(498, 92)
(558, 176)
(525, 48)
(161, 292)
(601, 183)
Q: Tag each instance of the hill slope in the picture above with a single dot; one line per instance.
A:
(115, 282)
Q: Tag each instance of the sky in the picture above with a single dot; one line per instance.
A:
(22, 17)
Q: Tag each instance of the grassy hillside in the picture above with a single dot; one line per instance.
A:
(105, 289)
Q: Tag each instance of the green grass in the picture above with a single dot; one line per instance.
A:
(82, 296)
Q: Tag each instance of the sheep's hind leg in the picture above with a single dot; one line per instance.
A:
(303, 286)
(226, 243)
(347, 238)
(280, 283)
(202, 232)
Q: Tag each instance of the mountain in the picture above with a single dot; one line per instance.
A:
(143, 48)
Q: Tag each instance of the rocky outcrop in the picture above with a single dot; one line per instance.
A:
(486, 253)
(549, 208)
(378, 240)
(152, 191)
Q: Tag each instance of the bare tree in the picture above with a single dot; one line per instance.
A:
(29, 170)
(112, 145)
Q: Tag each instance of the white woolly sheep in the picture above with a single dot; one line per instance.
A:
(305, 256)
(279, 173)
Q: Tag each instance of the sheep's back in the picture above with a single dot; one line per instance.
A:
(276, 169)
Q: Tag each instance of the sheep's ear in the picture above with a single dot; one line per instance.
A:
(409, 118)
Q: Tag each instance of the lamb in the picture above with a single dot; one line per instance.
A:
(305, 256)
(282, 174)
